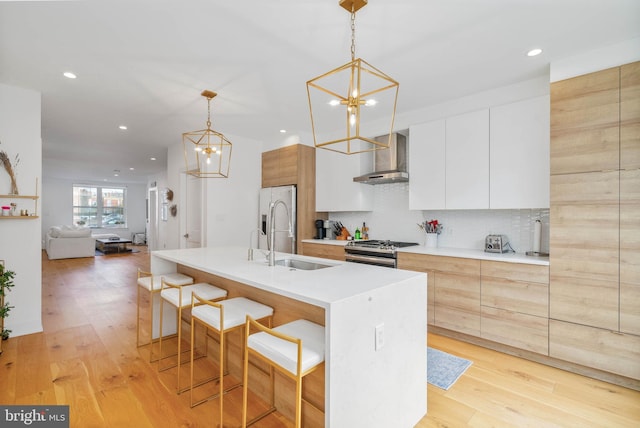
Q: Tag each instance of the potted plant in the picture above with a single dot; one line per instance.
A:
(6, 283)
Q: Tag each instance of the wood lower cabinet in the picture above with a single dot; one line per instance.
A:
(419, 263)
(594, 347)
(326, 251)
(515, 305)
(454, 284)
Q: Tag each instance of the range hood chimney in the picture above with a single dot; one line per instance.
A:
(389, 165)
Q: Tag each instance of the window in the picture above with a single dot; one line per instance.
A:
(99, 206)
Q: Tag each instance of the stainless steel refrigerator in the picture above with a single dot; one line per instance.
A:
(282, 213)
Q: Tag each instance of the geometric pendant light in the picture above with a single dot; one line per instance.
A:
(348, 104)
(207, 153)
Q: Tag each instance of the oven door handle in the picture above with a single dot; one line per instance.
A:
(382, 261)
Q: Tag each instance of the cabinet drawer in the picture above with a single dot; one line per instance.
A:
(524, 297)
(457, 320)
(453, 264)
(334, 252)
(516, 271)
(594, 347)
(515, 329)
(457, 302)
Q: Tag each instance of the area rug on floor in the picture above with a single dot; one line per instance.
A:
(443, 369)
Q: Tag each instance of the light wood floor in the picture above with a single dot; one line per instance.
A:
(86, 357)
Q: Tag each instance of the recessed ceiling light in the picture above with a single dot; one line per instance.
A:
(69, 75)
(123, 127)
(153, 158)
(283, 131)
(534, 52)
(131, 169)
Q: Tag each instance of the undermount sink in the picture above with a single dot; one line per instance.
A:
(300, 264)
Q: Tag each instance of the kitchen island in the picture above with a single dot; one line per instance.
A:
(375, 321)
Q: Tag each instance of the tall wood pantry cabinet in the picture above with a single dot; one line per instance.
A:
(296, 165)
(595, 220)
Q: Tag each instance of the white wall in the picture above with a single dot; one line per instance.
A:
(231, 209)
(57, 201)
(20, 133)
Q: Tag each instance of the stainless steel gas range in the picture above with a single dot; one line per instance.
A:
(374, 252)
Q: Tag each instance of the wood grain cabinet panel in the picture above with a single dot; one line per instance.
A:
(594, 347)
(524, 297)
(516, 329)
(585, 123)
(280, 167)
(584, 241)
(515, 305)
(630, 251)
(333, 252)
(419, 263)
(630, 116)
(457, 295)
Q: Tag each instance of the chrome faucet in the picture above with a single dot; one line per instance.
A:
(250, 255)
(271, 239)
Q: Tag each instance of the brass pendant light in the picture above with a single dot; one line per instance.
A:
(207, 153)
(347, 104)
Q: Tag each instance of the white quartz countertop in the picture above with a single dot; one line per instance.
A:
(456, 252)
(320, 287)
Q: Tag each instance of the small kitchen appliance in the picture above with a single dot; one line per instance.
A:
(321, 232)
(497, 244)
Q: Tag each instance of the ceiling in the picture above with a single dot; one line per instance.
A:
(144, 63)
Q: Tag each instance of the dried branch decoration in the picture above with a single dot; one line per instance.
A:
(6, 162)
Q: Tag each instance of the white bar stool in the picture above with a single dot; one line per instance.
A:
(295, 349)
(180, 297)
(153, 284)
(222, 317)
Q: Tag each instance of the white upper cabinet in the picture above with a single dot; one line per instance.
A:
(519, 154)
(467, 161)
(494, 158)
(427, 166)
(335, 189)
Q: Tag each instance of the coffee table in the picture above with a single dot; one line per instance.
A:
(107, 245)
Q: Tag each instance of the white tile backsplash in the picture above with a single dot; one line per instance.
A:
(392, 219)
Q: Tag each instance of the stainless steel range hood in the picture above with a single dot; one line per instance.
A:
(389, 165)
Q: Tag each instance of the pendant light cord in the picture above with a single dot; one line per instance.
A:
(353, 34)
(208, 113)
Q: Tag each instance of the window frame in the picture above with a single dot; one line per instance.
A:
(101, 211)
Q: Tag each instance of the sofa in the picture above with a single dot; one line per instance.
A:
(67, 242)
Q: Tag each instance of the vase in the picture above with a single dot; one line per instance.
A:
(431, 241)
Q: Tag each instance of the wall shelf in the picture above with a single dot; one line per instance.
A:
(33, 215)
